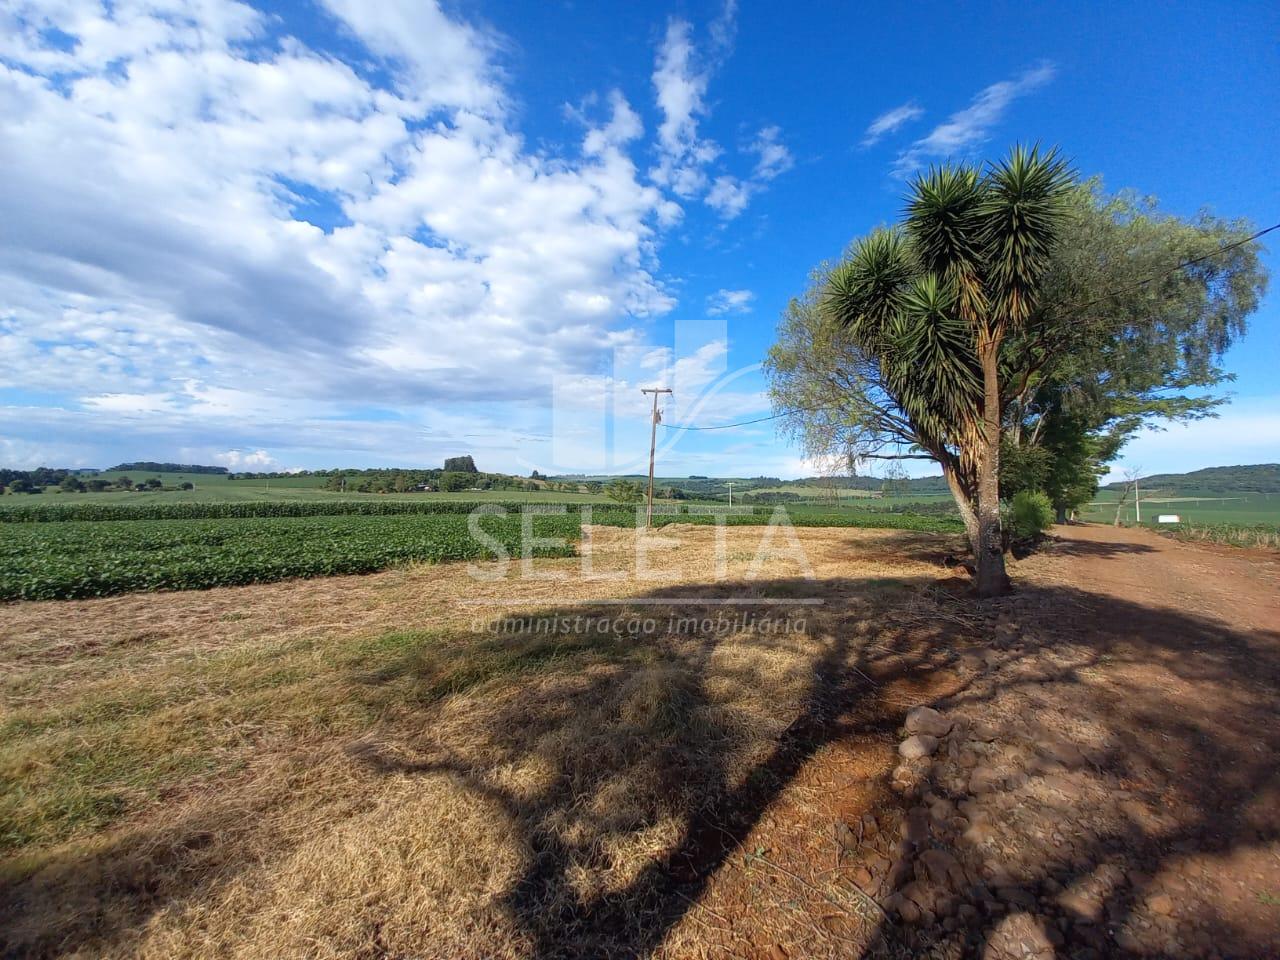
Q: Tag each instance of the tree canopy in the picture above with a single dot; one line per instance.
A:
(880, 356)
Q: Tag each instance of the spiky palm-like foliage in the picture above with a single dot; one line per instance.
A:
(932, 300)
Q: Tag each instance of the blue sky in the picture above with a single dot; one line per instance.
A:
(299, 235)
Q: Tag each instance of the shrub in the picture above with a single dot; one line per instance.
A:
(1030, 515)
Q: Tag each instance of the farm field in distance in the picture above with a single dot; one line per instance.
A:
(80, 547)
(1195, 507)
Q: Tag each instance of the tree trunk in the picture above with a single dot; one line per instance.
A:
(1124, 494)
(964, 504)
(991, 579)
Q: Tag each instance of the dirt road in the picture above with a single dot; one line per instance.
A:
(1109, 785)
(1239, 587)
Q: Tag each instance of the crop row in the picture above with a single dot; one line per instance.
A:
(1234, 534)
(762, 516)
(68, 512)
(45, 561)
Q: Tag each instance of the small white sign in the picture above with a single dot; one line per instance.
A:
(1168, 518)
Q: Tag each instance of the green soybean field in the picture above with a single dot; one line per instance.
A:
(47, 561)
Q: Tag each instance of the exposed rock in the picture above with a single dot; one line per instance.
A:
(941, 809)
(1017, 897)
(906, 909)
(920, 745)
(845, 837)
(984, 779)
(943, 869)
(978, 832)
(915, 827)
(927, 721)
(1064, 786)
(1161, 904)
(983, 732)
(1020, 935)
(1060, 751)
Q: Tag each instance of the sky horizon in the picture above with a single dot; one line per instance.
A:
(303, 235)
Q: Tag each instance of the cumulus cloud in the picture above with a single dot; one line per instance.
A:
(730, 301)
(969, 127)
(681, 77)
(890, 121)
(248, 461)
(680, 85)
(221, 240)
(773, 156)
(210, 223)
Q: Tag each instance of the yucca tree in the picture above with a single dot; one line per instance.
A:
(932, 300)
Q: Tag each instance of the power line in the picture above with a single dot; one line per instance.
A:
(725, 426)
(1140, 283)
(1180, 266)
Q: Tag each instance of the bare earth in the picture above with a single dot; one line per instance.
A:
(347, 767)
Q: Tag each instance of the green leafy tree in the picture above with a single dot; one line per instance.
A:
(1123, 340)
(453, 482)
(71, 484)
(622, 490)
(930, 304)
(1104, 350)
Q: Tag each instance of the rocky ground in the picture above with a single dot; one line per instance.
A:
(1094, 773)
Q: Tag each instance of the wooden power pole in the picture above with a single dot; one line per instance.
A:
(653, 446)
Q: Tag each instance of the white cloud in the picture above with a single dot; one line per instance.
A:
(213, 229)
(623, 127)
(890, 121)
(969, 127)
(730, 301)
(681, 77)
(681, 87)
(249, 461)
(222, 241)
(438, 61)
(729, 196)
(774, 157)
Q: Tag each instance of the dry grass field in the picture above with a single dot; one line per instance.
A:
(360, 767)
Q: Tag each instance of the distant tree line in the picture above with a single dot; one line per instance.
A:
(150, 466)
(70, 481)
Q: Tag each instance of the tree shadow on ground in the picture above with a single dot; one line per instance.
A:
(1208, 768)
(658, 752)
(1097, 548)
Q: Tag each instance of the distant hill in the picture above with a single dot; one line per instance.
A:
(717, 487)
(1246, 478)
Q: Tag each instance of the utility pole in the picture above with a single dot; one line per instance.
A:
(1137, 501)
(730, 493)
(653, 446)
